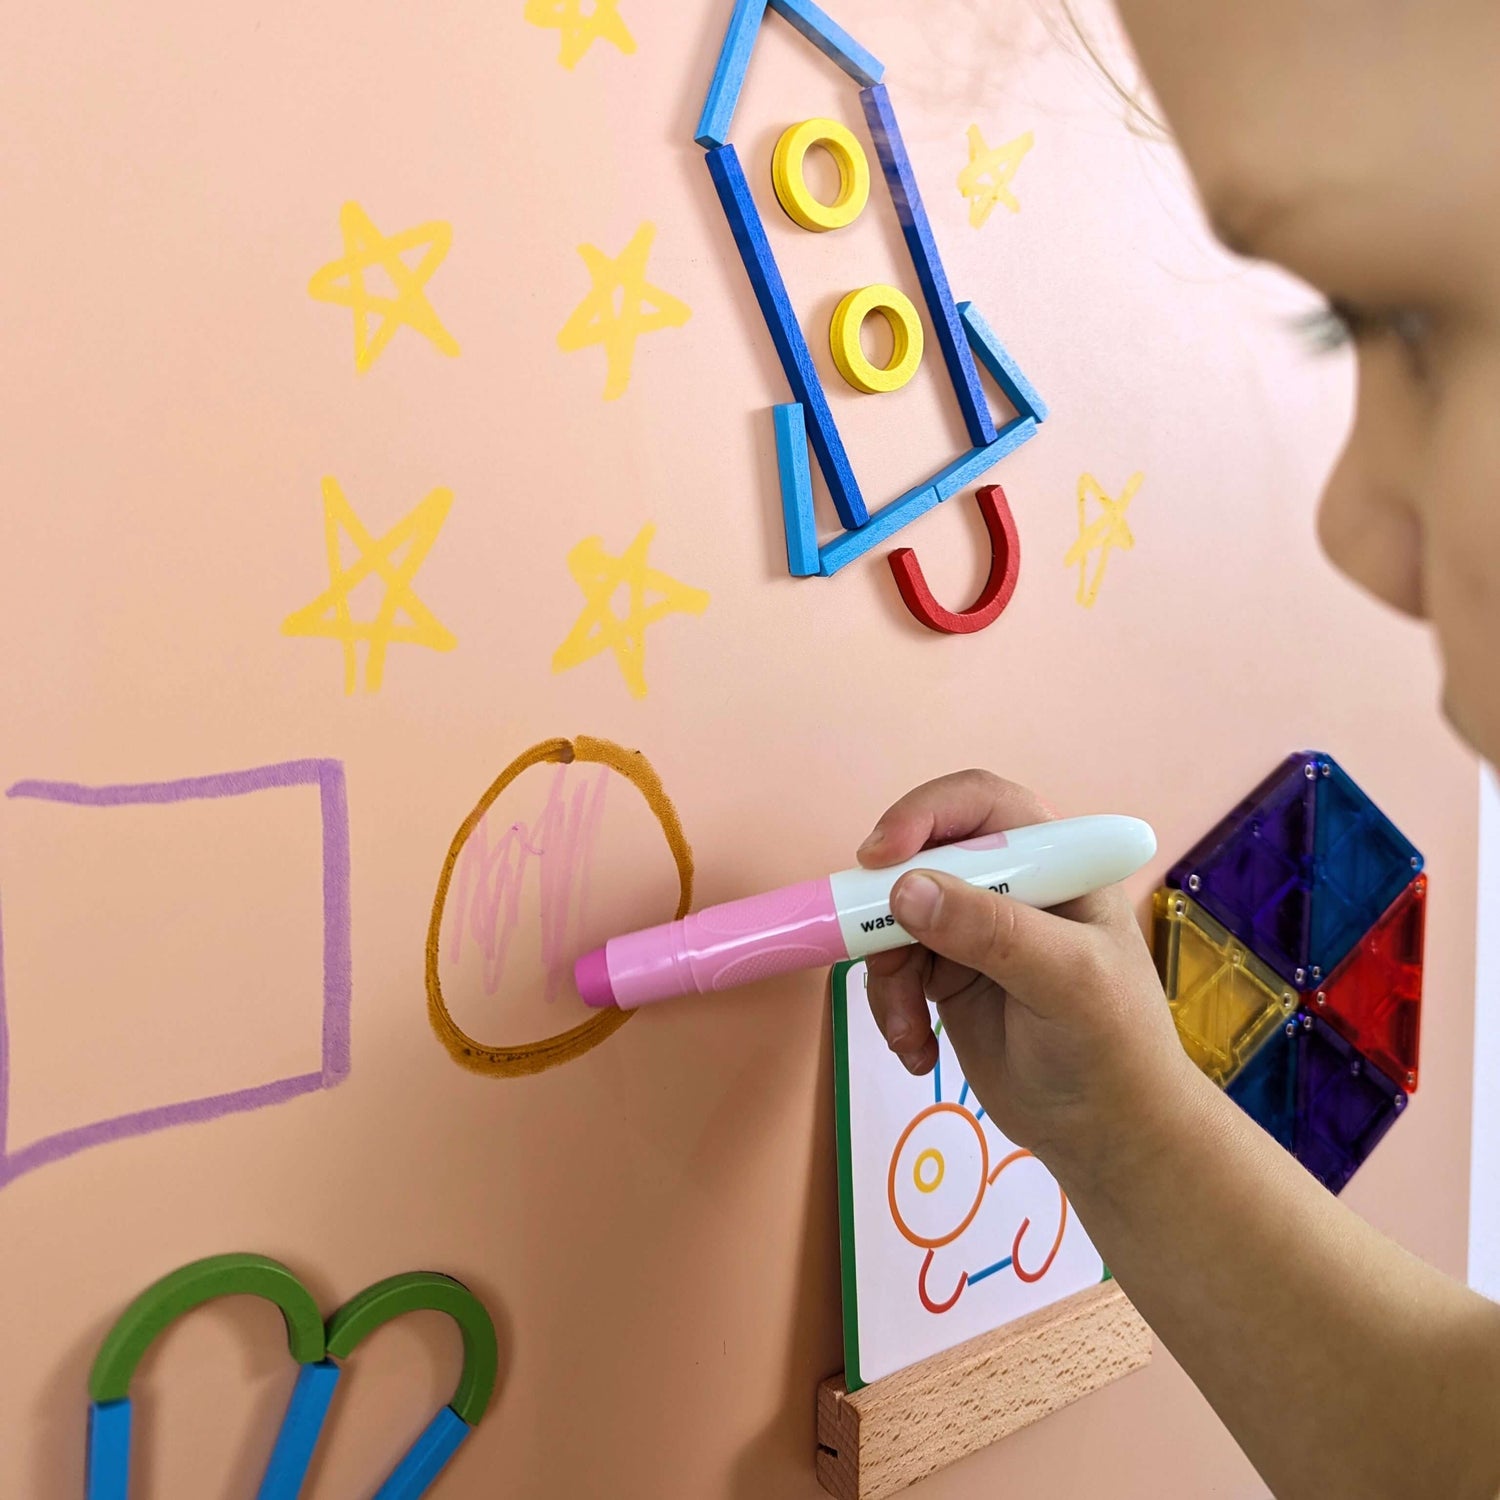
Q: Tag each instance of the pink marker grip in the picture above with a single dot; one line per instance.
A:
(723, 946)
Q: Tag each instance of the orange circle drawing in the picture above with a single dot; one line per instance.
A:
(537, 1057)
(890, 1185)
(936, 1157)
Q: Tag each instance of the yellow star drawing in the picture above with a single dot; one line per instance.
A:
(986, 180)
(342, 282)
(579, 31)
(598, 628)
(614, 312)
(1109, 530)
(328, 615)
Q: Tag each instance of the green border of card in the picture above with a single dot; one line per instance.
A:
(852, 1380)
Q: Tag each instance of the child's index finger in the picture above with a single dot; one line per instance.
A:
(958, 806)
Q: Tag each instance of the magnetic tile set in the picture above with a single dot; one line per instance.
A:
(1289, 940)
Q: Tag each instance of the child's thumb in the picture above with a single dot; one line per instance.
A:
(1036, 956)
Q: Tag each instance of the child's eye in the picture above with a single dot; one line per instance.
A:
(1330, 327)
(1340, 322)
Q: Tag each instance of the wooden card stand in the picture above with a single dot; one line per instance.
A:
(889, 1434)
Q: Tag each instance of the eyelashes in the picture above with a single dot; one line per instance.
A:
(1339, 323)
(1336, 325)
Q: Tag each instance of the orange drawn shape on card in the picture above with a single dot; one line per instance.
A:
(328, 615)
(1015, 1244)
(619, 307)
(1107, 532)
(890, 1185)
(1005, 570)
(342, 282)
(550, 1052)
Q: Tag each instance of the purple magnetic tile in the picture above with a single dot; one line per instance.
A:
(1344, 1106)
(328, 777)
(1251, 871)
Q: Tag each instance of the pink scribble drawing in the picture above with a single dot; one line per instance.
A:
(491, 877)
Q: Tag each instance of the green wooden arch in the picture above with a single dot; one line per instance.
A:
(163, 1302)
(426, 1291)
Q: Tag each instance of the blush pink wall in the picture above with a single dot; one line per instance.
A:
(654, 1225)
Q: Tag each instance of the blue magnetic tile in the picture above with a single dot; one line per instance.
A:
(1004, 371)
(1361, 863)
(831, 39)
(886, 522)
(786, 333)
(1265, 1088)
(952, 339)
(1344, 1106)
(107, 1466)
(796, 491)
(1250, 872)
(977, 462)
(300, 1429)
(425, 1459)
(729, 72)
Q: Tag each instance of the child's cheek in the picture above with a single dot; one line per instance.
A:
(1459, 514)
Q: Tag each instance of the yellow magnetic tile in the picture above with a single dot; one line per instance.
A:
(1225, 1001)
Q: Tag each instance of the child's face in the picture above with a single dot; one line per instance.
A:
(1355, 145)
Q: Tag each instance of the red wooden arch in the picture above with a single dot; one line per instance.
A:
(1005, 569)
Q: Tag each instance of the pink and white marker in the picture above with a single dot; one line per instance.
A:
(848, 915)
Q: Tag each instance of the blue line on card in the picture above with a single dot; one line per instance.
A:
(796, 491)
(999, 1265)
(831, 39)
(928, 264)
(995, 357)
(729, 73)
(963, 1093)
(786, 333)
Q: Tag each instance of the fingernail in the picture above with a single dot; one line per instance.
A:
(897, 1041)
(870, 842)
(915, 901)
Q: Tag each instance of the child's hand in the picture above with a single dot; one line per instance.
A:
(1057, 1017)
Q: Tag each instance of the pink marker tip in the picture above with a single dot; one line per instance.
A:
(591, 975)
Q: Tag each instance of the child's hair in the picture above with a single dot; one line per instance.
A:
(1138, 116)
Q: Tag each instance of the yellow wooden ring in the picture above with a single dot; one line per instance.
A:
(906, 339)
(791, 186)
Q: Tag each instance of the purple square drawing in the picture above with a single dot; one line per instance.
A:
(328, 777)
